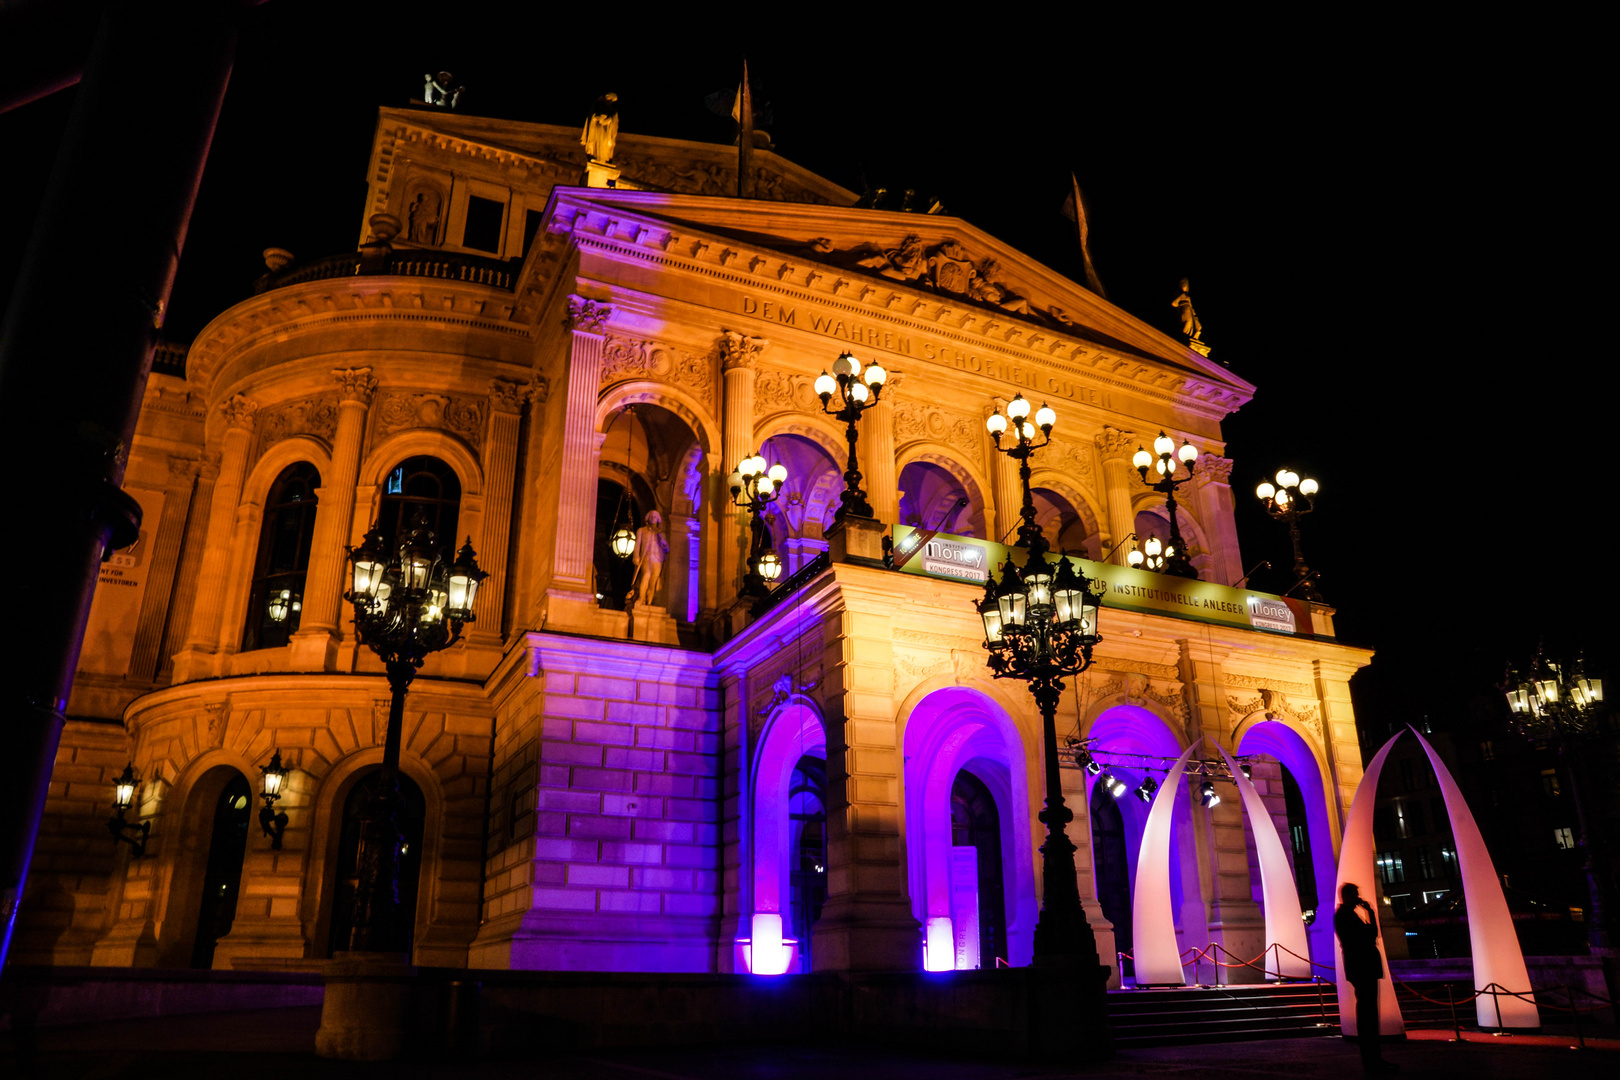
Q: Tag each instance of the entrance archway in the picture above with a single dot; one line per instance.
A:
(412, 818)
(1111, 865)
(222, 874)
(980, 917)
(951, 733)
(787, 881)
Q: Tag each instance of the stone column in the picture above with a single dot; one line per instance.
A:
(739, 359)
(1215, 514)
(882, 477)
(1116, 448)
(165, 557)
(506, 399)
(576, 506)
(866, 923)
(197, 659)
(314, 646)
(1009, 490)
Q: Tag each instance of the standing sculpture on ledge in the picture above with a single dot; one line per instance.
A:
(441, 90)
(601, 132)
(1189, 320)
(651, 551)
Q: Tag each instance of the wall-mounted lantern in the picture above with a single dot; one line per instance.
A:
(124, 789)
(274, 783)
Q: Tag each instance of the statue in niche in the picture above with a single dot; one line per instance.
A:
(652, 548)
(602, 129)
(1189, 318)
(442, 90)
(423, 217)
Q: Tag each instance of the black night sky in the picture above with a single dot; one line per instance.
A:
(1377, 226)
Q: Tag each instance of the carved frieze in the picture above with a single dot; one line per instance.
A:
(915, 422)
(313, 416)
(214, 716)
(1276, 706)
(457, 413)
(947, 267)
(1072, 459)
(238, 411)
(626, 359)
(1255, 682)
(781, 391)
(586, 316)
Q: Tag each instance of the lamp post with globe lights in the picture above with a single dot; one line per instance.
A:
(1023, 446)
(857, 390)
(1291, 498)
(1562, 705)
(753, 488)
(409, 602)
(1164, 459)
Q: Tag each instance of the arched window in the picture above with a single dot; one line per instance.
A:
(422, 488)
(276, 601)
(222, 880)
(975, 823)
(411, 820)
(807, 849)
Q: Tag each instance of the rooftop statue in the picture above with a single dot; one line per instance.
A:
(442, 90)
(602, 129)
(1189, 319)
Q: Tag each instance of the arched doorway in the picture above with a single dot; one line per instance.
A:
(976, 835)
(412, 818)
(1112, 867)
(222, 875)
(807, 854)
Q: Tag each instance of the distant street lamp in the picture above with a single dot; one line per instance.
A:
(1560, 704)
(858, 389)
(1164, 459)
(753, 488)
(408, 603)
(1291, 499)
(1040, 626)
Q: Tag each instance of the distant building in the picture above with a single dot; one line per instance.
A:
(594, 783)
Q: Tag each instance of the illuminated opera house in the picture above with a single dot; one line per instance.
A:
(658, 760)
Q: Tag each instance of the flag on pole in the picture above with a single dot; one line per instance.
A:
(1074, 208)
(743, 113)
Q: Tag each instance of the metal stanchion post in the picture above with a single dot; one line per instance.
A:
(1496, 1000)
(1575, 1015)
(1456, 1025)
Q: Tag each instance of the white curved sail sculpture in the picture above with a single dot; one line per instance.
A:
(1356, 865)
(1285, 924)
(1155, 951)
(1495, 945)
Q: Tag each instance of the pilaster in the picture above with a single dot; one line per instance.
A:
(1008, 488)
(570, 602)
(315, 645)
(1215, 513)
(1342, 744)
(506, 401)
(877, 455)
(739, 359)
(198, 659)
(1116, 448)
(171, 531)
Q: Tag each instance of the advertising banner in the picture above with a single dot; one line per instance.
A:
(963, 558)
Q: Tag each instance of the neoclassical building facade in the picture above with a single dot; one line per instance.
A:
(523, 354)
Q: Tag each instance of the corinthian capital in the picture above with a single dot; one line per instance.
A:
(507, 396)
(740, 350)
(238, 411)
(1116, 444)
(355, 384)
(1214, 469)
(586, 316)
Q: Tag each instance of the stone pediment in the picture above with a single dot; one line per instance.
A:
(933, 275)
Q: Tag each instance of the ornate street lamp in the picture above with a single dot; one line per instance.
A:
(1560, 704)
(273, 785)
(1164, 447)
(408, 603)
(1290, 499)
(754, 487)
(858, 389)
(1040, 626)
(1023, 445)
(1154, 555)
(124, 789)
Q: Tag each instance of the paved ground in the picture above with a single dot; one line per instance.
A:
(276, 1044)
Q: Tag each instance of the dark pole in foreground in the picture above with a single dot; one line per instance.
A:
(75, 350)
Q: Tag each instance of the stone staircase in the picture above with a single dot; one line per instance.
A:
(1176, 1017)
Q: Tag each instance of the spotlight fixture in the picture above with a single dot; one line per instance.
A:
(1206, 793)
(1112, 784)
(1092, 767)
(1145, 790)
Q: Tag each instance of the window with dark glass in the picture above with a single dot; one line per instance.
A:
(277, 597)
(425, 490)
(484, 217)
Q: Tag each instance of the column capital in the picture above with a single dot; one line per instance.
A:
(1116, 444)
(238, 411)
(586, 316)
(354, 384)
(506, 396)
(740, 350)
(182, 470)
(1214, 469)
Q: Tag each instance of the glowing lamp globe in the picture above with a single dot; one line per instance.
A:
(274, 778)
(1308, 487)
(1045, 417)
(825, 385)
(770, 565)
(623, 542)
(124, 788)
(875, 375)
(777, 473)
(1164, 445)
(1018, 408)
(1188, 453)
(996, 424)
(1141, 459)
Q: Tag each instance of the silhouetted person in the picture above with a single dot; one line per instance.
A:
(1357, 927)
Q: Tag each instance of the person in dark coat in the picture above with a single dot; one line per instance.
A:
(1357, 927)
